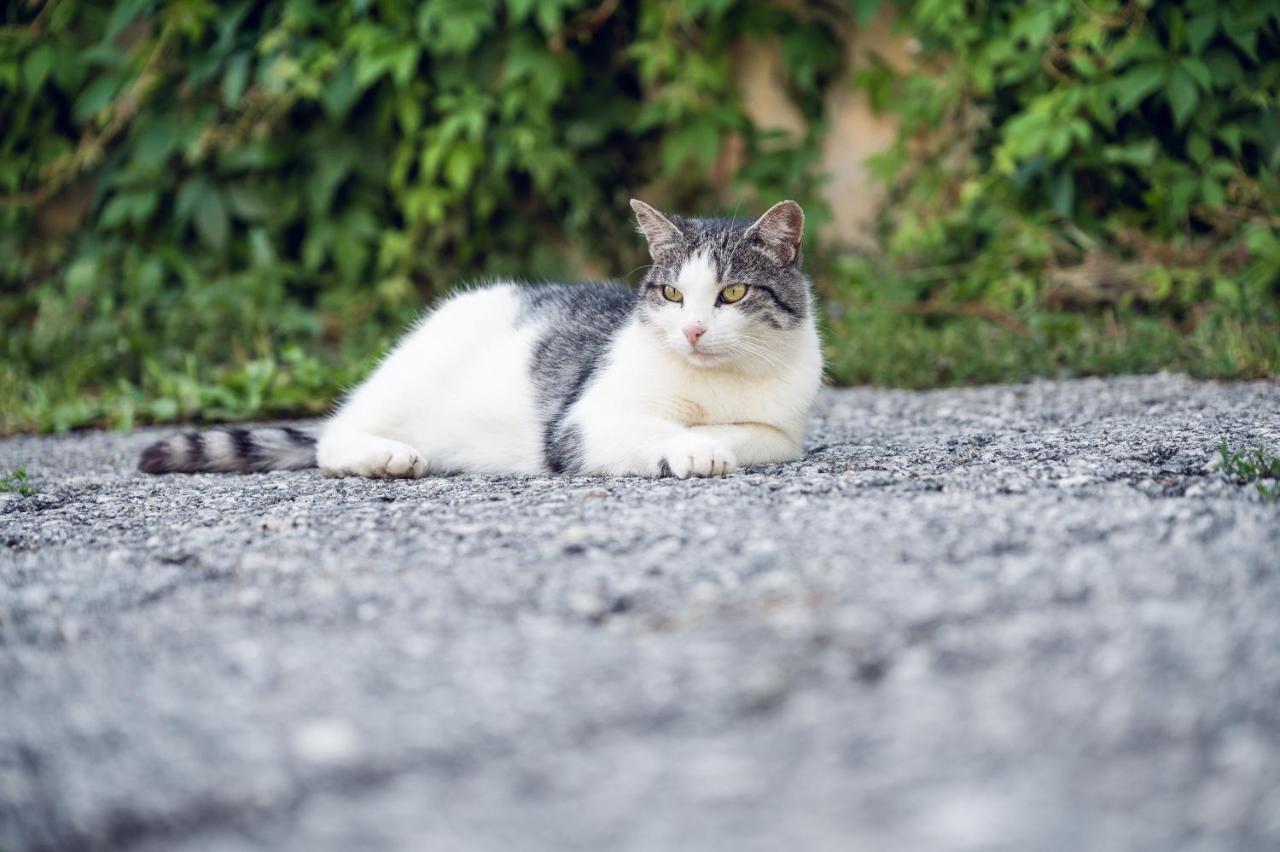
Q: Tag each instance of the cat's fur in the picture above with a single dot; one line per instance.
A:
(578, 378)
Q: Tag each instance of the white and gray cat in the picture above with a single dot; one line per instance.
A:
(711, 365)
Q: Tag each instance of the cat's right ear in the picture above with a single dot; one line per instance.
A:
(663, 236)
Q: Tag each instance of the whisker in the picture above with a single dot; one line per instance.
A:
(637, 269)
(754, 348)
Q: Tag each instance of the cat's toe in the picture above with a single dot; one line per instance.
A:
(402, 463)
(696, 457)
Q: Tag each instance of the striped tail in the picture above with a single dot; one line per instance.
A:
(231, 451)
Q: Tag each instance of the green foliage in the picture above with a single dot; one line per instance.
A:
(1254, 466)
(17, 482)
(215, 210)
(1080, 187)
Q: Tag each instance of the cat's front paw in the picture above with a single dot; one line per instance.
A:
(401, 462)
(372, 457)
(695, 455)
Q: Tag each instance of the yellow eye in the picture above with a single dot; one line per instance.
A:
(733, 293)
(671, 294)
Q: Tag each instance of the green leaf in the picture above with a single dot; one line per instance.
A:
(1198, 71)
(1181, 195)
(1183, 96)
(456, 26)
(316, 246)
(247, 203)
(1062, 195)
(520, 9)
(1201, 29)
(1231, 137)
(341, 92)
(235, 78)
(1084, 65)
(1211, 192)
(261, 252)
(116, 213)
(156, 141)
(1136, 85)
(211, 221)
(1033, 24)
(1140, 154)
(1244, 33)
(132, 207)
(190, 194)
(329, 173)
(695, 140)
(122, 15)
(1263, 241)
(1224, 68)
(865, 10)
(459, 166)
(97, 96)
(1198, 148)
(36, 67)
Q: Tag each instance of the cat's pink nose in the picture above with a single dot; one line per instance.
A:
(693, 331)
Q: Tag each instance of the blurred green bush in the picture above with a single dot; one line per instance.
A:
(222, 210)
(218, 210)
(1077, 187)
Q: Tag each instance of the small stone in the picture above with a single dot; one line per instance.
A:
(588, 604)
(765, 687)
(326, 742)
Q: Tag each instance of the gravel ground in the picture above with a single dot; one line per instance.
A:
(1024, 617)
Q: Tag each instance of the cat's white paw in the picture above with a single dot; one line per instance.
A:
(695, 455)
(371, 457)
(402, 462)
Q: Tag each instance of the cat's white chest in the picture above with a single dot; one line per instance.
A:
(643, 378)
(696, 397)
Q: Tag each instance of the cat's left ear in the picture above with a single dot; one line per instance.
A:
(779, 232)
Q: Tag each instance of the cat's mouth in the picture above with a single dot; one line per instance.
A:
(701, 357)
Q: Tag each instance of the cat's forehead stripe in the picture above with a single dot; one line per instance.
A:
(698, 274)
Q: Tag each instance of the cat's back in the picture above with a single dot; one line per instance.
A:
(587, 310)
(576, 324)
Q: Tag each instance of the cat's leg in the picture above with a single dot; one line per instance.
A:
(649, 446)
(347, 452)
(754, 443)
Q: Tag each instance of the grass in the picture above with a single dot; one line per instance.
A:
(299, 382)
(1254, 465)
(885, 327)
(125, 364)
(880, 346)
(17, 482)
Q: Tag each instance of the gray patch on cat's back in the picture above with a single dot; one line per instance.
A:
(578, 323)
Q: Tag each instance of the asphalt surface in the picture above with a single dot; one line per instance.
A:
(1026, 617)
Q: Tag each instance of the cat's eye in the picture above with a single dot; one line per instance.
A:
(733, 293)
(671, 294)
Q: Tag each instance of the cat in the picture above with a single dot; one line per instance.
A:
(711, 365)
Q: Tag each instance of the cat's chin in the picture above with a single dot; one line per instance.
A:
(704, 360)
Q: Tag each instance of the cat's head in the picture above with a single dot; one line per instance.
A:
(724, 293)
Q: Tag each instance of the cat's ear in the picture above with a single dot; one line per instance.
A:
(779, 232)
(663, 236)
